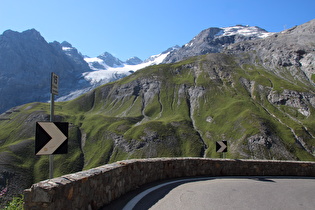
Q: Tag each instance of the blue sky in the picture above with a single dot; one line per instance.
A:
(143, 28)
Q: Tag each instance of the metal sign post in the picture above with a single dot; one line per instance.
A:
(53, 91)
(51, 137)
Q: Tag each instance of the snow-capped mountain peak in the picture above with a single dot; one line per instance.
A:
(245, 31)
(110, 60)
(133, 61)
(68, 48)
(214, 40)
(103, 72)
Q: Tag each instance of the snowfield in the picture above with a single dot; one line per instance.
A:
(108, 74)
(245, 31)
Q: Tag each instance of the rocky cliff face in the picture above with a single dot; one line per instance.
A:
(290, 53)
(26, 61)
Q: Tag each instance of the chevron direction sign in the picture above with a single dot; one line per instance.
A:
(51, 138)
(221, 146)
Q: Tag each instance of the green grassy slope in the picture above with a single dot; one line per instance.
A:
(173, 110)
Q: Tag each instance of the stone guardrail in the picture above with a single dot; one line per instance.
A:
(94, 188)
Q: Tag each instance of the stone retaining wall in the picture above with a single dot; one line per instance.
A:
(94, 188)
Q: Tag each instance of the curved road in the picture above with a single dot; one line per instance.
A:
(224, 193)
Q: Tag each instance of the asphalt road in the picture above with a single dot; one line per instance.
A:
(223, 193)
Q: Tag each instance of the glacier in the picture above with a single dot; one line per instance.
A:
(104, 73)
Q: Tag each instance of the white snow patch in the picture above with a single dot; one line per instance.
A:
(90, 60)
(66, 48)
(98, 61)
(245, 31)
(189, 44)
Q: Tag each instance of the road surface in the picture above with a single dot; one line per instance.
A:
(224, 193)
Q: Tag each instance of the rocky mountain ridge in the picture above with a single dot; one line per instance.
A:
(27, 60)
(24, 53)
(213, 40)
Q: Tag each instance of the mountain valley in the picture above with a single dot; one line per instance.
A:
(257, 92)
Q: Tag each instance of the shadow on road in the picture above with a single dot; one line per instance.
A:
(161, 192)
(156, 194)
(262, 179)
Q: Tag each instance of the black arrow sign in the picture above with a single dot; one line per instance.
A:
(51, 138)
(221, 146)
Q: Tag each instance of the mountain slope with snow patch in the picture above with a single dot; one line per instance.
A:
(214, 40)
(102, 73)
